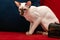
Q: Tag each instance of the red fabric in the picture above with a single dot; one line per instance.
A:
(54, 5)
(22, 36)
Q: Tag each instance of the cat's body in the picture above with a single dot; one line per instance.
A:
(41, 15)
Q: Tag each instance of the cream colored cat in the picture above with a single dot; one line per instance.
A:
(41, 15)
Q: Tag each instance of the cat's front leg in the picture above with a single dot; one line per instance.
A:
(30, 25)
(34, 26)
(29, 28)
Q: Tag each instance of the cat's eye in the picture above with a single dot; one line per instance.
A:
(24, 9)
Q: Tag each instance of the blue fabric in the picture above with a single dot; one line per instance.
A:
(10, 18)
(35, 2)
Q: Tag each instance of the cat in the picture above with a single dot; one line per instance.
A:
(41, 15)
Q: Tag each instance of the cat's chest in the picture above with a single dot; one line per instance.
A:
(29, 17)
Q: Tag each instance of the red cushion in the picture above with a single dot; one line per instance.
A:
(22, 36)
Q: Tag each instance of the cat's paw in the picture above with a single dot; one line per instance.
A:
(27, 33)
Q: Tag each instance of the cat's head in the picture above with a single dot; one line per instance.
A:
(23, 7)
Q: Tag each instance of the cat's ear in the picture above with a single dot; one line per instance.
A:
(17, 3)
(28, 3)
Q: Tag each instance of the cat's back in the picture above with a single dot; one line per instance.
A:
(38, 11)
(33, 8)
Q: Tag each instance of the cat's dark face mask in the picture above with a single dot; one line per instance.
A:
(22, 11)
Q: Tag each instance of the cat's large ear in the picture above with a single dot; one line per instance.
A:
(28, 3)
(17, 3)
